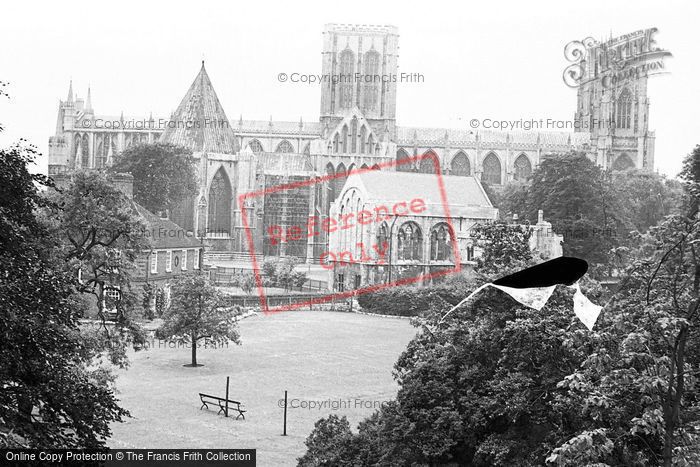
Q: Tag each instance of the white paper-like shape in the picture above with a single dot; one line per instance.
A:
(534, 297)
(584, 309)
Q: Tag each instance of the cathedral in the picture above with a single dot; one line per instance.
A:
(356, 128)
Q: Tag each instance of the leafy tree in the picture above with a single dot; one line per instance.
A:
(497, 384)
(327, 444)
(164, 174)
(647, 197)
(52, 395)
(197, 311)
(101, 238)
(502, 245)
(581, 201)
(641, 384)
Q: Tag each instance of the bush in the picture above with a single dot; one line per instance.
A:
(414, 300)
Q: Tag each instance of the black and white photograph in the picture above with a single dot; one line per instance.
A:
(320, 234)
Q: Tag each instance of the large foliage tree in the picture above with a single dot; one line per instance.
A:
(101, 237)
(502, 245)
(198, 311)
(164, 174)
(580, 200)
(497, 384)
(51, 394)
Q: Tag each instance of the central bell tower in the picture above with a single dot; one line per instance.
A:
(360, 71)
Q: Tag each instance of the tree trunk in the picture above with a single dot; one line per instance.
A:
(194, 349)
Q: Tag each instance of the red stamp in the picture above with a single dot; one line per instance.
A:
(361, 234)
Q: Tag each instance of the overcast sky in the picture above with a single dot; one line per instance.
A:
(498, 60)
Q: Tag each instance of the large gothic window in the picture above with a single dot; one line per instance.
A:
(523, 168)
(336, 143)
(346, 72)
(103, 152)
(345, 139)
(284, 147)
(460, 165)
(82, 154)
(623, 118)
(307, 149)
(440, 243)
(370, 87)
(623, 162)
(255, 146)
(410, 242)
(492, 170)
(401, 154)
(427, 164)
(219, 219)
(370, 145)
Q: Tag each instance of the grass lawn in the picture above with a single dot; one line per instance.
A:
(315, 355)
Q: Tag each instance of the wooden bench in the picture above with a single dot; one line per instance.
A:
(234, 405)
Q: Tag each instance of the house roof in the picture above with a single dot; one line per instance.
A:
(200, 123)
(164, 233)
(465, 195)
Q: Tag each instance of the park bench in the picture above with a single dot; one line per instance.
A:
(221, 402)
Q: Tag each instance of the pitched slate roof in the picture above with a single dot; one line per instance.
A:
(200, 123)
(164, 233)
(465, 196)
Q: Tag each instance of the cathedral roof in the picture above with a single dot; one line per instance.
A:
(465, 195)
(200, 123)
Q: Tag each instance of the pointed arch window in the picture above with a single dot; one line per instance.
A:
(401, 154)
(371, 81)
(623, 162)
(460, 165)
(441, 243)
(427, 164)
(370, 144)
(410, 242)
(255, 146)
(219, 219)
(336, 143)
(345, 139)
(307, 149)
(346, 71)
(623, 118)
(492, 170)
(284, 147)
(523, 168)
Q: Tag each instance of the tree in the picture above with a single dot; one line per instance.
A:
(502, 245)
(101, 237)
(497, 384)
(642, 381)
(647, 197)
(197, 311)
(52, 393)
(581, 201)
(164, 174)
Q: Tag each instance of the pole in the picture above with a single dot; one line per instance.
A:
(284, 432)
(227, 378)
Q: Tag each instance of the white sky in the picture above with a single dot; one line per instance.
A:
(499, 60)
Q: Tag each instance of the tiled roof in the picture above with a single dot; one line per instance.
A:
(465, 195)
(164, 233)
(200, 123)
(436, 136)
